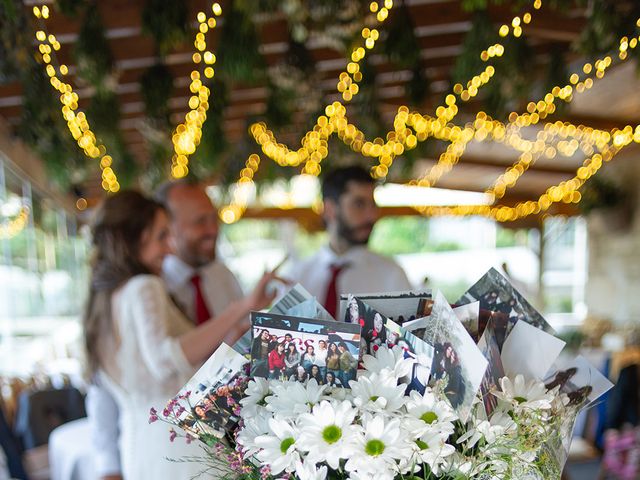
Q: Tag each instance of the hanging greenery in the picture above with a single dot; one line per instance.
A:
(367, 103)
(167, 21)
(156, 87)
(403, 50)
(557, 74)
(209, 157)
(400, 44)
(601, 31)
(92, 53)
(14, 43)
(469, 63)
(45, 131)
(239, 58)
(70, 8)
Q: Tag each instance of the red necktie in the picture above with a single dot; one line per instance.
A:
(202, 312)
(331, 299)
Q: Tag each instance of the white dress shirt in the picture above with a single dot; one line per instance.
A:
(219, 286)
(364, 272)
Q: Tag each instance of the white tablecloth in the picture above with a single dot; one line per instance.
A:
(70, 454)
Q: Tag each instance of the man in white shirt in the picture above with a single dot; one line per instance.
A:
(199, 283)
(346, 265)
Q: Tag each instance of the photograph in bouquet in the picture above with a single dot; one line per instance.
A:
(370, 320)
(488, 345)
(530, 351)
(298, 349)
(414, 348)
(578, 379)
(458, 364)
(583, 384)
(208, 401)
(298, 302)
(496, 294)
(400, 307)
(469, 315)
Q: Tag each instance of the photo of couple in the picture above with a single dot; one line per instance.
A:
(299, 349)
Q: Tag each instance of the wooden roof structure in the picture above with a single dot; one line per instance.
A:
(440, 27)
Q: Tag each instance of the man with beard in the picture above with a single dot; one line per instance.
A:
(346, 265)
(200, 285)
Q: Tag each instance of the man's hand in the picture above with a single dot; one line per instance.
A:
(262, 295)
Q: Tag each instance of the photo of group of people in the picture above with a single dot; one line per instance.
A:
(299, 349)
(210, 399)
(502, 303)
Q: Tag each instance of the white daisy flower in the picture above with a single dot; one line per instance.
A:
(254, 426)
(532, 394)
(432, 449)
(328, 432)
(278, 447)
(427, 413)
(256, 391)
(391, 360)
(309, 471)
(291, 399)
(379, 445)
(500, 424)
(377, 393)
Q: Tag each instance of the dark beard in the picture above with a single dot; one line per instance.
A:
(347, 233)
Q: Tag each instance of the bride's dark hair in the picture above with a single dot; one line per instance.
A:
(117, 230)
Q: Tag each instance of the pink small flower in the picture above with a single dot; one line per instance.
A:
(265, 471)
(172, 435)
(189, 438)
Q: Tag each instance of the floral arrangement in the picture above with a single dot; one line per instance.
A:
(431, 400)
(375, 431)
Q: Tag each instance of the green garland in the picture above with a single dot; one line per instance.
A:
(156, 87)
(167, 21)
(92, 53)
(239, 58)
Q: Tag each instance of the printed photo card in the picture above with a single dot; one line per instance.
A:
(458, 364)
(500, 301)
(210, 399)
(298, 349)
(400, 307)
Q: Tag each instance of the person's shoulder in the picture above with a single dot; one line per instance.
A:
(142, 282)
(380, 260)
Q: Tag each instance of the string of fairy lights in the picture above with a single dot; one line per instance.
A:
(409, 128)
(187, 134)
(482, 129)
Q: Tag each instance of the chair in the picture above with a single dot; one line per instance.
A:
(41, 411)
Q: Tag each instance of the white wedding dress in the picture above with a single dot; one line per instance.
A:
(147, 369)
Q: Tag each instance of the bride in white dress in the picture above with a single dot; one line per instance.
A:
(138, 343)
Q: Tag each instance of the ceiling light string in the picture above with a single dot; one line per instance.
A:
(77, 123)
(187, 135)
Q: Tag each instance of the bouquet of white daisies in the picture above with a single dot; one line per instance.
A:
(374, 431)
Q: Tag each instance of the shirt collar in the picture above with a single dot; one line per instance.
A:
(176, 272)
(353, 255)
